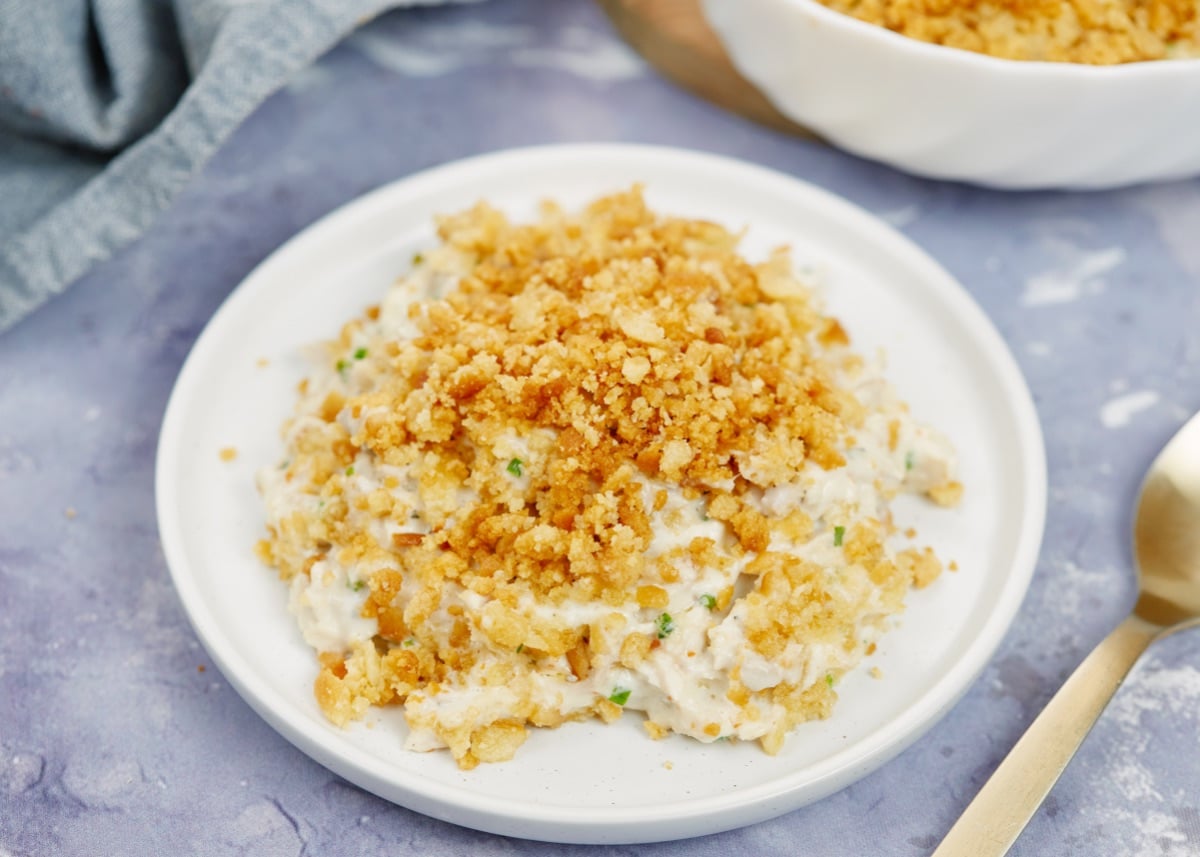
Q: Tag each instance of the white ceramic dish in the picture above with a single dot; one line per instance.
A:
(587, 782)
(953, 114)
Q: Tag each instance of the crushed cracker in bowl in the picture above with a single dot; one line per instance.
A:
(1090, 32)
(595, 464)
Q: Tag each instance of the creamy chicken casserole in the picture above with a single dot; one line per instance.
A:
(595, 464)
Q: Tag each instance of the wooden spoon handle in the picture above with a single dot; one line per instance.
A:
(992, 822)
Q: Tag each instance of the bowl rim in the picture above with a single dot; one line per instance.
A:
(1041, 69)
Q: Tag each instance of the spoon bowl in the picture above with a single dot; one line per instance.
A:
(1166, 553)
(1166, 533)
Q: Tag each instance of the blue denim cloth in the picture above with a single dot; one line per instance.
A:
(108, 107)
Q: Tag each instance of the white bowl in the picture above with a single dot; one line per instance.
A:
(953, 114)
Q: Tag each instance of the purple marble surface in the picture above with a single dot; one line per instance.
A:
(115, 741)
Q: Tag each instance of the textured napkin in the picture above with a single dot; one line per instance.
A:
(108, 107)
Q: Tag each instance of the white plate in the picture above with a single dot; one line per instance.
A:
(587, 782)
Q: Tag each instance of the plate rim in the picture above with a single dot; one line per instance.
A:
(600, 824)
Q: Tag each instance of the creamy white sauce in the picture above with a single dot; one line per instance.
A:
(326, 605)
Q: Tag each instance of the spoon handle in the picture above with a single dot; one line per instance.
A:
(992, 822)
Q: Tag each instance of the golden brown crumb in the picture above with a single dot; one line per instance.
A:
(228, 453)
(655, 730)
(608, 711)
(875, 672)
(1095, 32)
(635, 649)
(652, 596)
(497, 742)
(70, 513)
(946, 494)
(262, 363)
(922, 565)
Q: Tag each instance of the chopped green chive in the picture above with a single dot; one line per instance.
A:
(724, 737)
(411, 641)
(350, 470)
(838, 534)
(665, 625)
(520, 648)
(829, 679)
(619, 696)
(283, 465)
(360, 353)
(342, 366)
(418, 258)
(514, 467)
(910, 460)
(708, 601)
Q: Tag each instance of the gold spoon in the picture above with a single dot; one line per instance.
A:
(1166, 551)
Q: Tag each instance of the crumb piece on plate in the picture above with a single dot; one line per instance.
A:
(946, 494)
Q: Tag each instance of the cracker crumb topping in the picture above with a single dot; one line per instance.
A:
(564, 459)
